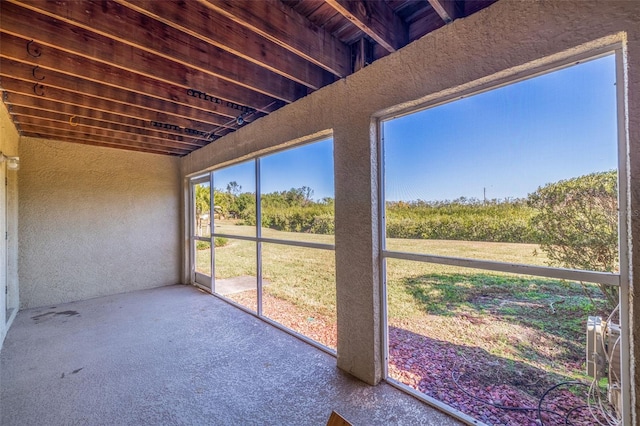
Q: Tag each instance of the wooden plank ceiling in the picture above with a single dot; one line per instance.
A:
(170, 76)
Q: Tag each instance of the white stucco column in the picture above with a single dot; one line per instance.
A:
(633, 117)
(357, 250)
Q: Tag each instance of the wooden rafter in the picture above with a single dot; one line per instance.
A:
(12, 85)
(170, 76)
(115, 56)
(212, 28)
(85, 128)
(52, 79)
(447, 9)
(285, 27)
(90, 139)
(120, 25)
(376, 19)
(18, 102)
(102, 134)
(84, 123)
(83, 68)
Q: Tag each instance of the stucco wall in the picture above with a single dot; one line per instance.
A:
(9, 146)
(495, 45)
(95, 221)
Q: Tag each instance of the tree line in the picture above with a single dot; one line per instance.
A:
(575, 221)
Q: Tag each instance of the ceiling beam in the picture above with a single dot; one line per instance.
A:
(282, 25)
(115, 56)
(362, 54)
(86, 124)
(376, 19)
(424, 25)
(88, 139)
(217, 30)
(81, 67)
(27, 120)
(448, 10)
(131, 39)
(19, 102)
(53, 79)
(28, 88)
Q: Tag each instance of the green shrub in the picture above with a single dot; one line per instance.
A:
(576, 222)
(220, 241)
(468, 220)
(206, 245)
(313, 218)
(202, 245)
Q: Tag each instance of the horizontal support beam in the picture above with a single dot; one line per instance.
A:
(448, 10)
(79, 124)
(376, 19)
(285, 27)
(123, 25)
(53, 79)
(28, 88)
(87, 69)
(217, 30)
(515, 268)
(52, 134)
(80, 41)
(93, 134)
(306, 244)
(18, 101)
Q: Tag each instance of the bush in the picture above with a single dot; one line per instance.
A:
(220, 241)
(467, 220)
(577, 224)
(202, 245)
(323, 224)
(206, 245)
(314, 218)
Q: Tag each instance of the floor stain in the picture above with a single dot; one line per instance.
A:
(73, 372)
(68, 313)
(51, 314)
(37, 317)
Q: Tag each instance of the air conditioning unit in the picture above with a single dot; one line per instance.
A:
(603, 356)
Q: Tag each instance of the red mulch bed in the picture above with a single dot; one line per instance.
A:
(319, 328)
(488, 388)
(491, 389)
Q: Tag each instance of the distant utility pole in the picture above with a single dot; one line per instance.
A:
(484, 195)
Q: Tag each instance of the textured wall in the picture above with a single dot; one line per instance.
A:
(9, 146)
(95, 221)
(498, 43)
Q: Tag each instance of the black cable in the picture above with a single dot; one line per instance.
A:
(540, 410)
(567, 422)
(502, 407)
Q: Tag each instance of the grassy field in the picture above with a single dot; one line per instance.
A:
(303, 278)
(532, 320)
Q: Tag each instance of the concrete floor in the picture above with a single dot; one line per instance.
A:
(176, 356)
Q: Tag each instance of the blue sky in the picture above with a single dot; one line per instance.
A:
(309, 165)
(507, 141)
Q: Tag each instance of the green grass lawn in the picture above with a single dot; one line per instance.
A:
(535, 320)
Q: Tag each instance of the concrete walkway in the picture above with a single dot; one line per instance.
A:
(176, 356)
